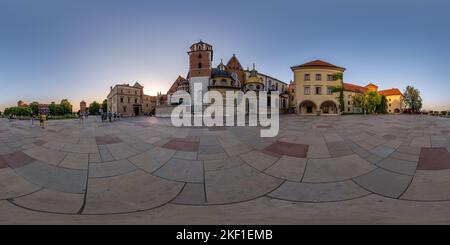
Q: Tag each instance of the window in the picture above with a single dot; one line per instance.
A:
(318, 77)
(329, 91)
(390, 104)
(306, 78)
(135, 101)
(146, 105)
(214, 82)
(135, 92)
(121, 100)
(223, 82)
(349, 96)
(121, 91)
(199, 56)
(318, 90)
(200, 65)
(128, 99)
(258, 87)
(124, 109)
(307, 92)
(329, 77)
(348, 109)
(348, 102)
(389, 100)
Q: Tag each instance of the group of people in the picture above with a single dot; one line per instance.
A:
(42, 119)
(111, 116)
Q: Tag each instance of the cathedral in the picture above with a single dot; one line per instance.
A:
(224, 77)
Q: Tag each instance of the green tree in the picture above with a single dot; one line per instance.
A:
(368, 101)
(382, 107)
(340, 89)
(94, 107)
(105, 105)
(54, 109)
(412, 99)
(65, 107)
(34, 107)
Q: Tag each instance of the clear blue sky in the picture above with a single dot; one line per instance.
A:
(55, 49)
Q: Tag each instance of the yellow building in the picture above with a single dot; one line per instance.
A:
(314, 85)
(394, 100)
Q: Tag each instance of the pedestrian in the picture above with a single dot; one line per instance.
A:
(109, 116)
(31, 119)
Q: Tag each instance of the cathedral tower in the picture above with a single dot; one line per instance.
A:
(200, 62)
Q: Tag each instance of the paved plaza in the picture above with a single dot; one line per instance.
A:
(319, 169)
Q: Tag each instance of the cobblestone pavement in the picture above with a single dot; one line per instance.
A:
(347, 169)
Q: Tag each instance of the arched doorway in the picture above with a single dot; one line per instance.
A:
(307, 107)
(397, 110)
(328, 107)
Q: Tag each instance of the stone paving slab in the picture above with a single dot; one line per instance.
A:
(258, 159)
(45, 155)
(52, 201)
(54, 178)
(182, 170)
(384, 182)
(13, 185)
(324, 192)
(121, 151)
(222, 164)
(129, 193)
(75, 161)
(429, 186)
(109, 169)
(17, 159)
(434, 159)
(288, 168)
(192, 194)
(382, 151)
(398, 166)
(336, 169)
(237, 184)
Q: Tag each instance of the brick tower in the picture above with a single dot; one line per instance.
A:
(200, 63)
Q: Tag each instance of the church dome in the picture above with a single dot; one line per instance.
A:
(253, 77)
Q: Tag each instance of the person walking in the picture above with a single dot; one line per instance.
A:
(31, 119)
(109, 116)
(42, 119)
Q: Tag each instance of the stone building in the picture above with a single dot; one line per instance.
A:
(130, 100)
(394, 100)
(314, 85)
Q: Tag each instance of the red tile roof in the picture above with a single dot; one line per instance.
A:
(371, 85)
(318, 63)
(354, 88)
(389, 92)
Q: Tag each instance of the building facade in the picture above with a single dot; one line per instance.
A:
(394, 100)
(229, 77)
(314, 83)
(129, 100)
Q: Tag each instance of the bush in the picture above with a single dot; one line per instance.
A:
(443, 113)
(18, 111)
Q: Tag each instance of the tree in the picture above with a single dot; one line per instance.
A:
(66, 107)
(105, 105)
(412, 99)
(54, 109)
(368, 101)
(94, 107)
(382, 107)
(340, 89)
(34, 107)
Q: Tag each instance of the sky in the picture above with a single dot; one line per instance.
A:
(56, 49)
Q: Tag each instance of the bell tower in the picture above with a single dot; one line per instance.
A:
(200, 60)
(200, 63)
